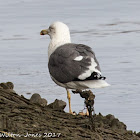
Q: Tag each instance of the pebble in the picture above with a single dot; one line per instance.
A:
(36, 99)
(58, 105)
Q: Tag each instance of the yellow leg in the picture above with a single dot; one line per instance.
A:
(69, 100)
(87, 113)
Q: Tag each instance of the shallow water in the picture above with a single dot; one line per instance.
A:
(111, 28)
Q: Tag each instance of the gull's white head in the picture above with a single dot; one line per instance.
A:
(59, 34)
(58, 31)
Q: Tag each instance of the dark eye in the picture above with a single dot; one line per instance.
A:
(51, 28)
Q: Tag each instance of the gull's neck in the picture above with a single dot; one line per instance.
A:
(55, 43)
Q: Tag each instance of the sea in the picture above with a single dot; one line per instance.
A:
(111, 28)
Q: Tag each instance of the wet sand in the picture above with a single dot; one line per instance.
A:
(32, 119)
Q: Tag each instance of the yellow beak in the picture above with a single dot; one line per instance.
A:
(44, 32)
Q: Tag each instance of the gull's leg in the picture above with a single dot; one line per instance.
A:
(69, 100)
(87, 113)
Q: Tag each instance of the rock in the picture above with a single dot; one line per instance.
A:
(43, 102)
(116, 124)
(138, 134)
(4, 86)
(58, 105)
(110, 117)
(8, 87)
(22, 96)
(130, 132)
(36, 99)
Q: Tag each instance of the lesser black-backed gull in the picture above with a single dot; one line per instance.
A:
(72, 66)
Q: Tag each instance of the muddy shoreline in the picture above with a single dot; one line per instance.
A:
(21, 118)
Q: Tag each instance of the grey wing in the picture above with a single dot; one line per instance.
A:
(73, 62)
